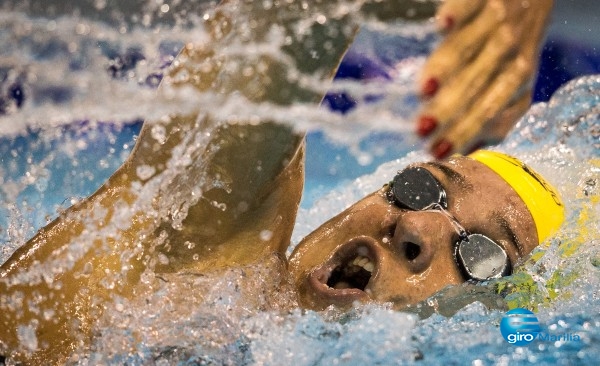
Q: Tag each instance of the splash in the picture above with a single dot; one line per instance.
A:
(103, 79)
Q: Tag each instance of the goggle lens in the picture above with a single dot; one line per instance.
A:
(481, 258)
(416, 189)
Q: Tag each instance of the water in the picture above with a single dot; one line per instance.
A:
(74, 90)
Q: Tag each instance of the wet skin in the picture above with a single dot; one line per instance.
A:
(410, 254)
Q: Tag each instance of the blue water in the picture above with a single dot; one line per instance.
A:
(49, 168)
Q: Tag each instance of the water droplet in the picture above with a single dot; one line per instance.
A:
(220, 206)
(27, 337)
(159, 133)
(266, 235)
(144, 172)
(163, 259)
(100, 4)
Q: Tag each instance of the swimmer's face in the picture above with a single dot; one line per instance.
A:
(407, 256)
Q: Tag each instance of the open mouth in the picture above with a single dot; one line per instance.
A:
(346, 276)
(355, 273)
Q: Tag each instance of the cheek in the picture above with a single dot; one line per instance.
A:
(395, 283)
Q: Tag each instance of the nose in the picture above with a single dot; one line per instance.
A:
(421, 236)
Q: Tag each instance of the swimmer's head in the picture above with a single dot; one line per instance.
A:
(436, 224)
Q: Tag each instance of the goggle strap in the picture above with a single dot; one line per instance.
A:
(461, 231)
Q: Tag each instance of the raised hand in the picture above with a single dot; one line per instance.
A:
(478, 82)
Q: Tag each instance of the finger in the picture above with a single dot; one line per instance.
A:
(457, 50)
(496, 130)
(463, 89)
(453, 14)
(531, 29)
(464, 131)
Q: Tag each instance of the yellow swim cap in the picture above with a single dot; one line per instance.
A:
(540, 197)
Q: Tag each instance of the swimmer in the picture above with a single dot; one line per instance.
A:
(60, 283)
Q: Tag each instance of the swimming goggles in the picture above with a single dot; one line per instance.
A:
(478, 257)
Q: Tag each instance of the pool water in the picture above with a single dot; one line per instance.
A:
(74, 90)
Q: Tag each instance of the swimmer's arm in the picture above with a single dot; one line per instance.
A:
(312, 51)
(208, 67)
(100, 252)
(318, 51)
(258, 162)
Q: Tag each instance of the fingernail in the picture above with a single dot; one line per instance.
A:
(448, 22)
(426, 125)
(441, 149)
(430, 87)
